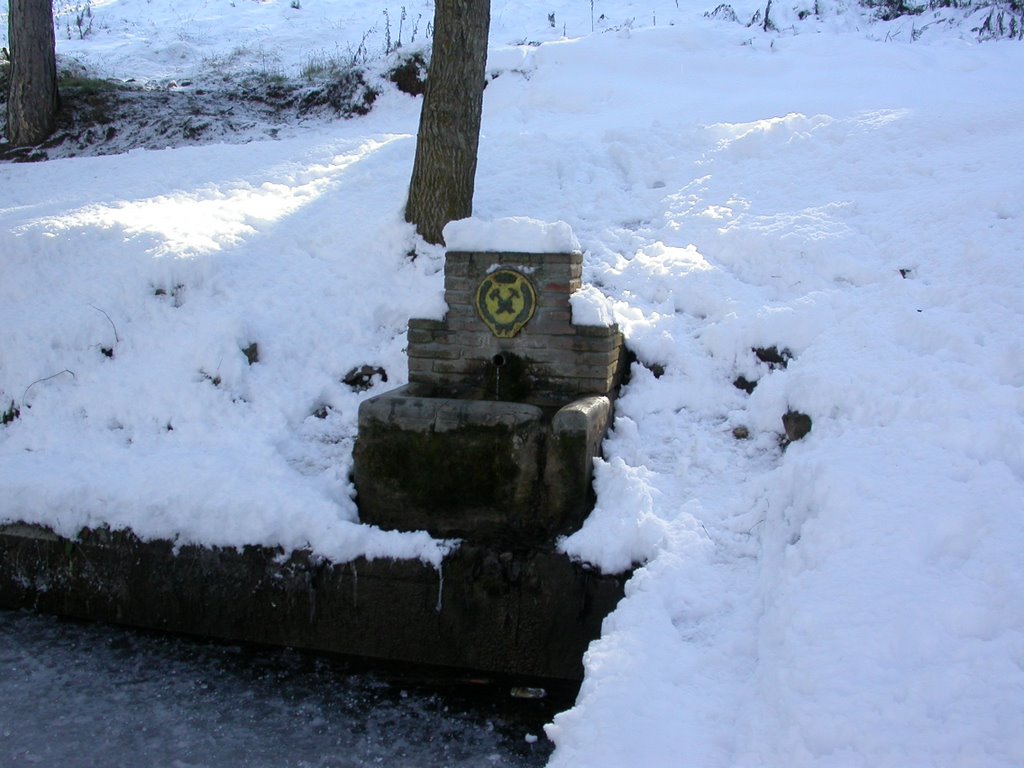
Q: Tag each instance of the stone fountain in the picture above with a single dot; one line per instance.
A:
(508, 400)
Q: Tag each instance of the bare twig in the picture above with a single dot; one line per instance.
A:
(45, 378)
(117, 339)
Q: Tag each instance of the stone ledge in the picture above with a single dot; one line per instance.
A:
(529, 614)
(586, 416)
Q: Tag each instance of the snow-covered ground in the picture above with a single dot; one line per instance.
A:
(844, 189)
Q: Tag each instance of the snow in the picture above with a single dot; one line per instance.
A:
(843, 189)
(590, 307)
(518, 234)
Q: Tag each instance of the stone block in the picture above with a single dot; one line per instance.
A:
(455, 468)
(492, 471)
(434, 351)
(598, 331)
(596, 343)
(426, 325)
(577, 431)
(420, 365)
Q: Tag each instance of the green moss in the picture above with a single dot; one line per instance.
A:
(494, 477)
(88, 86)
(471, 467)
(569, 492)
(507, 378)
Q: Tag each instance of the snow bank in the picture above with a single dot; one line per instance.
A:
(176, 263)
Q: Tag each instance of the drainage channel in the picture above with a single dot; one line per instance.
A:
(79, 694)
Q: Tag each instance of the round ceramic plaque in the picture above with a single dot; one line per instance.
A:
(505, 301)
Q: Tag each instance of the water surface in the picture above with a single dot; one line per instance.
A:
(74, 694)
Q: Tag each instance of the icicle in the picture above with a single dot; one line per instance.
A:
(311, 595)
(440, 586)
(355, 585)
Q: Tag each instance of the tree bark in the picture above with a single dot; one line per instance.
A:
(32, 99)
(444, 170)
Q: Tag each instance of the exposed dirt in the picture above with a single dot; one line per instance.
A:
(101, 117)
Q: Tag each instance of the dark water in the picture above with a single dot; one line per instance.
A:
(76, 694)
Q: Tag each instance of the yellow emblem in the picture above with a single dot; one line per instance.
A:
(505, 301)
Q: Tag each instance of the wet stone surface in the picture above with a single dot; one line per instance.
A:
(76, 694)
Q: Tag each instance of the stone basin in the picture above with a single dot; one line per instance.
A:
(493, 471)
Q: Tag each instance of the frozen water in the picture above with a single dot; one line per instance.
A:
(90, 695)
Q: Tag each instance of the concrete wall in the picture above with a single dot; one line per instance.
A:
(529, 615)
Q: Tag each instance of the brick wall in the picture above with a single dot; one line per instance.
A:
(550, 360)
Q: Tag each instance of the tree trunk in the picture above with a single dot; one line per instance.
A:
(444, 171)
(32, 100)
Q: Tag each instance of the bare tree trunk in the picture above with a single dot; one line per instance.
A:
(444, 171)
(32, 100)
